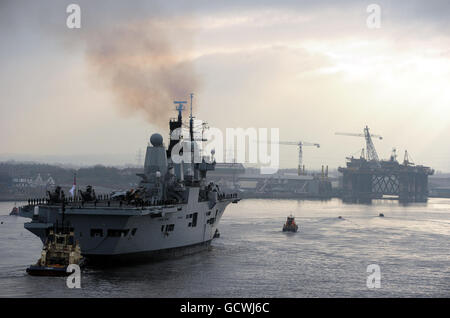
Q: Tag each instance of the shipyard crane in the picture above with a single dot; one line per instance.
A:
(300, 145)
(370, 148)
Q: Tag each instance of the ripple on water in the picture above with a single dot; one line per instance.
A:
(327, 257)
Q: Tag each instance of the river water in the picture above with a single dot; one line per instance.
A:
(328, 257)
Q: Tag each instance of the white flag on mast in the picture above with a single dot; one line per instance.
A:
(72, 191)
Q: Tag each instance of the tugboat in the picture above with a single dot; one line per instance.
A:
(290, 225)
(60, 250)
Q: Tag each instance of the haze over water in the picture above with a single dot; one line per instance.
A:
(328, 257)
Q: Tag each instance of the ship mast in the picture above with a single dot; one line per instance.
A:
(191, 121)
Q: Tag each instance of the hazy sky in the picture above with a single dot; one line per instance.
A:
(310, 68)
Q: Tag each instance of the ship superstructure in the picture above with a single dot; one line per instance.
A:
(173, 211)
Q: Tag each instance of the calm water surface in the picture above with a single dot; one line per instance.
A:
(328, 257)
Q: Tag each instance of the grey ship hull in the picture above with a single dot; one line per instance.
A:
(130, 232)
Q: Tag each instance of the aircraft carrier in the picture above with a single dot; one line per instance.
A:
(174, 211)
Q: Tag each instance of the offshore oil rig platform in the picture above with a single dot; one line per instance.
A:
(368, 177)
